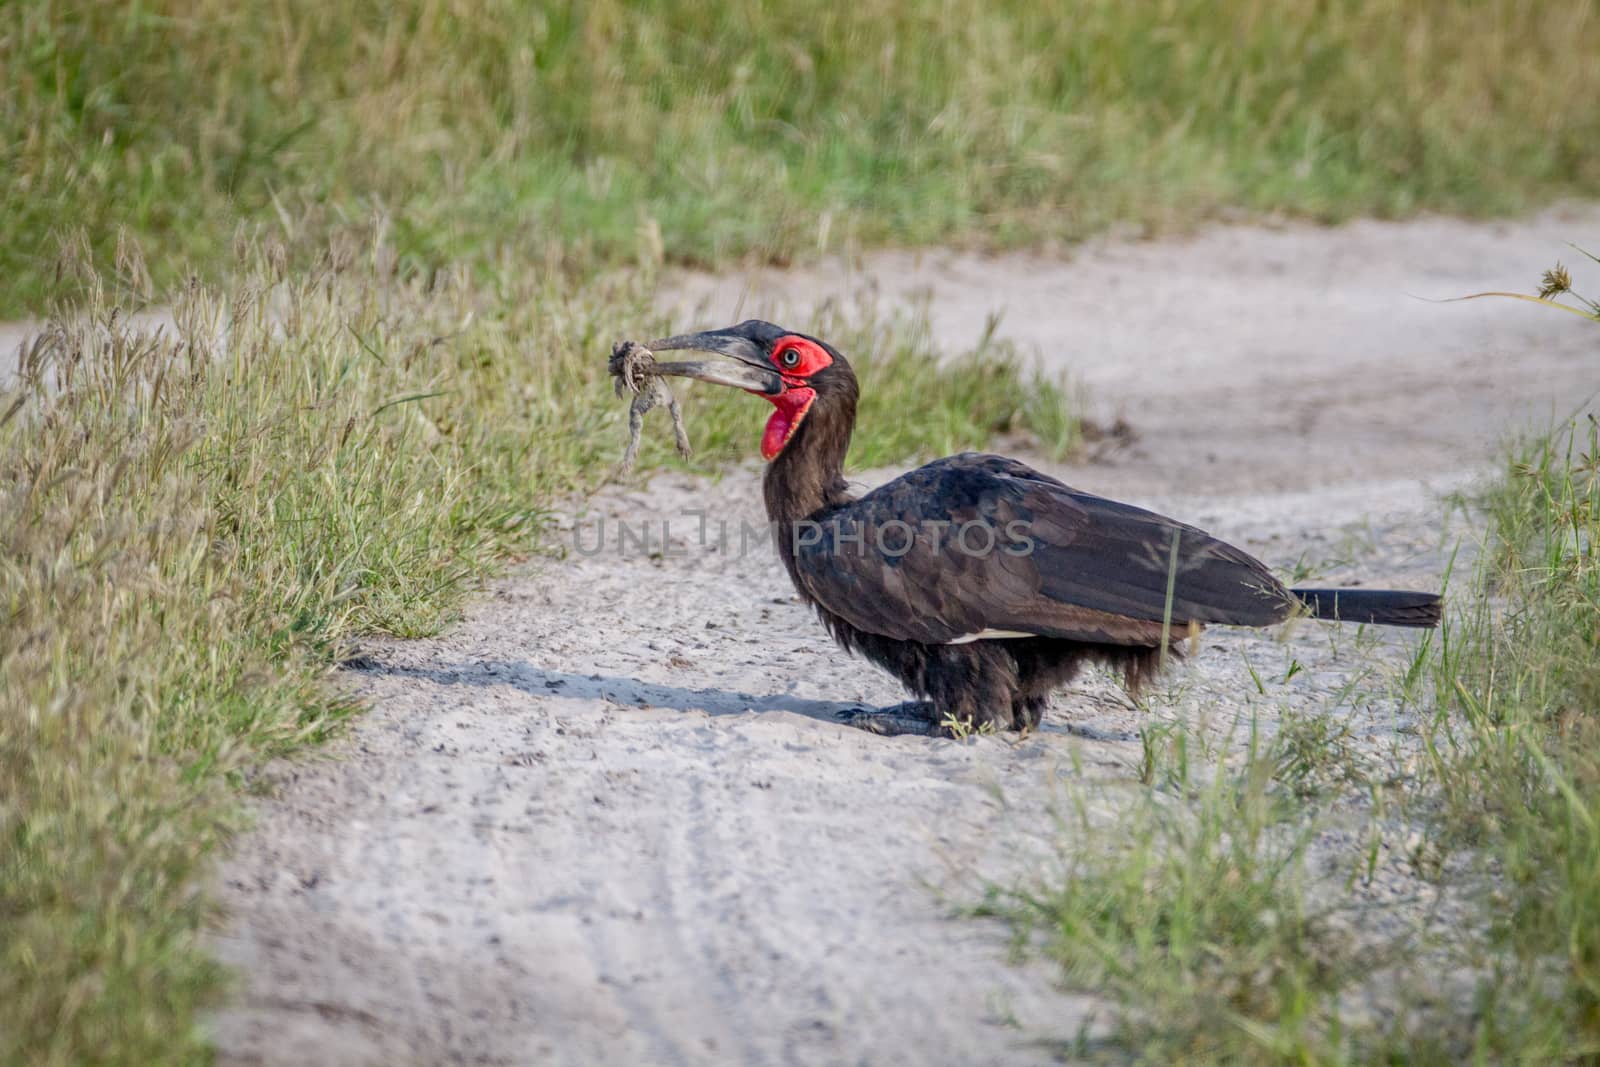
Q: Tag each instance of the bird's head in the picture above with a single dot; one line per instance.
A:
(791, 371)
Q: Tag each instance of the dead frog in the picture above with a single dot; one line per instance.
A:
(634, 368)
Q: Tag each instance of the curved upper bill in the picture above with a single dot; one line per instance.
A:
(751, 372)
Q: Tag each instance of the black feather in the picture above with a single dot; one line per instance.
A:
(1382, 607)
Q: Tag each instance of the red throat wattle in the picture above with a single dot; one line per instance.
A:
(792, 405)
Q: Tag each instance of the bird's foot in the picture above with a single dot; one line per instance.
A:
(913, 717)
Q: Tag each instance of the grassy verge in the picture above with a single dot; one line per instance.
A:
(700, 131)
(1515, 753)
(1224, 918)
(1188, 911)
(1513, 768)
(196, 523)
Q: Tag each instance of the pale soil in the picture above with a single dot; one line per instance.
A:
(15, 335)
(609, 819)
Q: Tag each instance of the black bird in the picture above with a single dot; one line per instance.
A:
(979, 582)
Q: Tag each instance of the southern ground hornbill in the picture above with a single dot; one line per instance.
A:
(979, 582)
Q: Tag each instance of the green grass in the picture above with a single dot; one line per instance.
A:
(703, 131)
(1516, 752)
(1187, 911)
(1514, 749)
(1197, 913)
(195, 525)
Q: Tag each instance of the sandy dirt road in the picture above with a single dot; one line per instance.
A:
(609, 818)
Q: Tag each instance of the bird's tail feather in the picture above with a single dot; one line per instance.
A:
(1383, 607)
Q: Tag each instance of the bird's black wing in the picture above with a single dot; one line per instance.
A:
(977, 543)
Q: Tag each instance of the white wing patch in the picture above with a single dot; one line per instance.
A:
(987, 635)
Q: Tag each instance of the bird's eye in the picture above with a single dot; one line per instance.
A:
(789, 357)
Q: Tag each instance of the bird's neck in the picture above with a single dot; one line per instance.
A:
(808, 475)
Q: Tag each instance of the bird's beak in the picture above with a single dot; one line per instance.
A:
(751, 372)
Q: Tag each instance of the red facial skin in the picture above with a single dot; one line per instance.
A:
(796, 360)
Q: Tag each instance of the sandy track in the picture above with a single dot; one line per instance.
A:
(608, 819)
(1253, 358)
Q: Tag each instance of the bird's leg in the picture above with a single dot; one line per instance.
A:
(684, 448)
(913, 717)
(635, 430)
